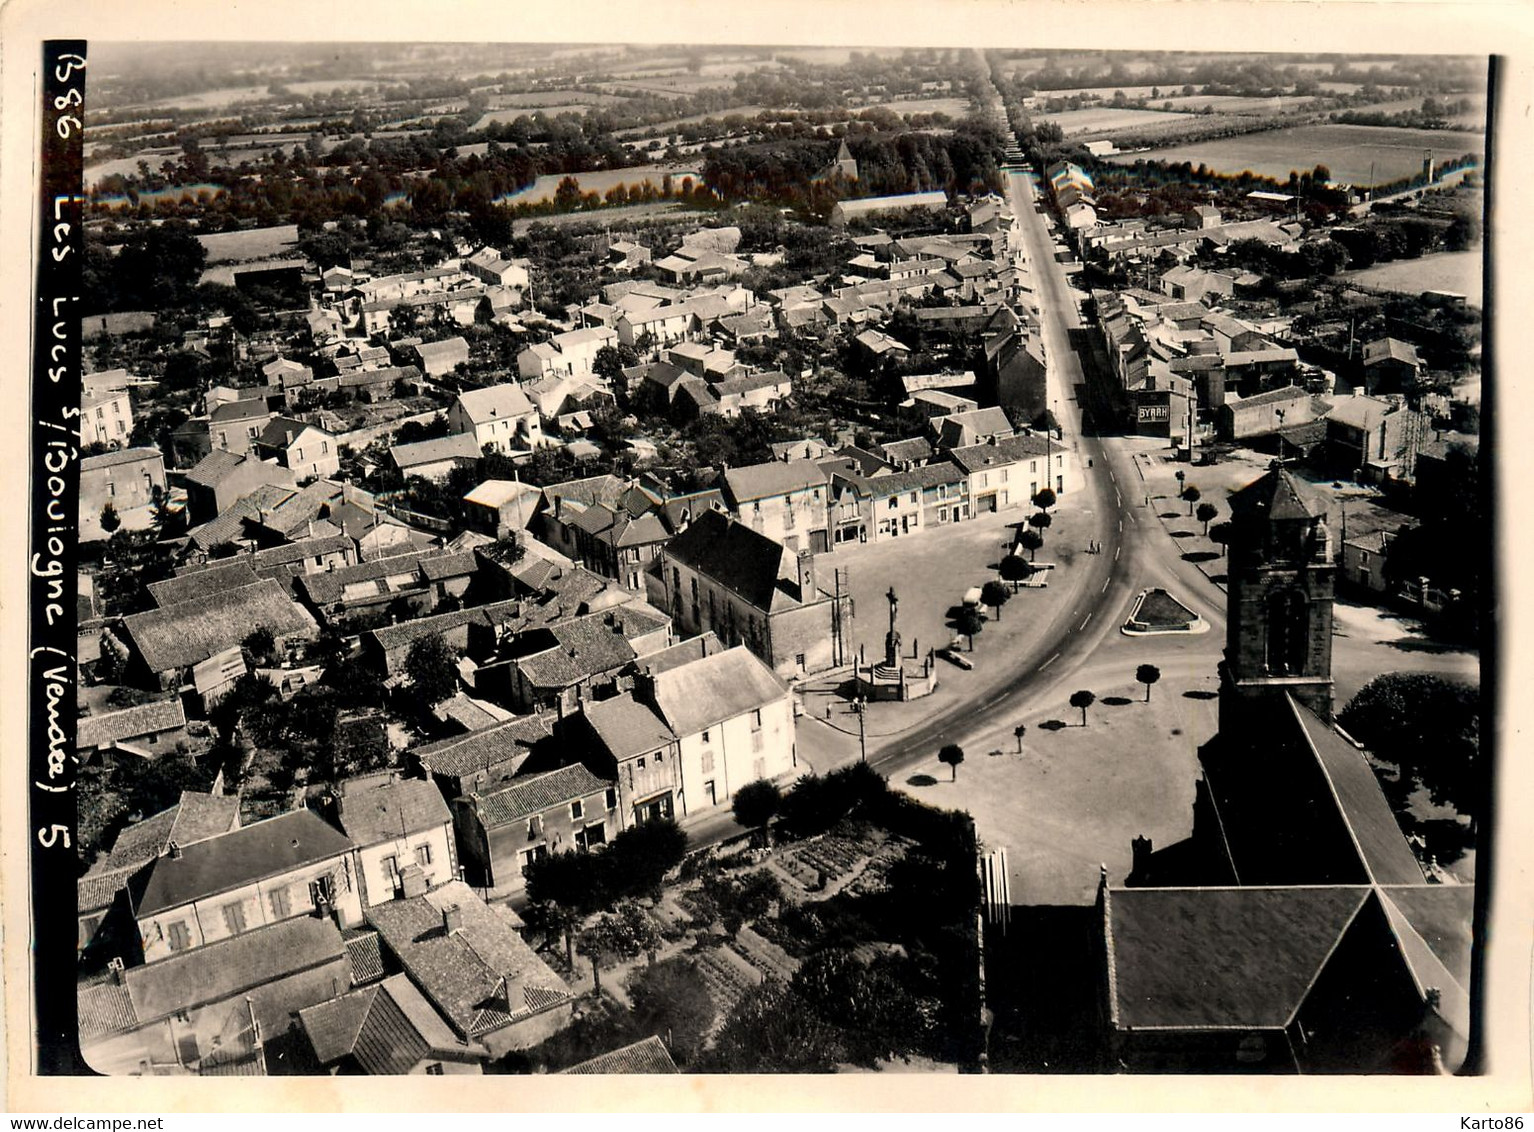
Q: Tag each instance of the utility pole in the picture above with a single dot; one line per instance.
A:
(860, 705)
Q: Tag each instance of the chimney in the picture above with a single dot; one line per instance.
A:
(806, 563)
(452, 918)
(115, 965)
(412, 883)
(173, 850)
(1140, 847)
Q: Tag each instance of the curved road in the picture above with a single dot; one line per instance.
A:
(1135, 554)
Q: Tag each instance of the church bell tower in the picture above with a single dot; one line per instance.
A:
(1280, 584)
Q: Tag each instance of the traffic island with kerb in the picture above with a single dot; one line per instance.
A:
(1156, 611)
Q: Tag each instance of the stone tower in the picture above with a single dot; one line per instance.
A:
(1279, 608)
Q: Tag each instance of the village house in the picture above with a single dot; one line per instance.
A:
(481, 760)
(221, 477)
(625, 255)
(500, 417)
(437, 458)
(873, 509)
(306, 451)
(233, 427)
(398, 827)
(387, 1029)
(556, 667)
(630, 744)
(571, 354)
(438, 358)
(642, 1057)
(655, 327)
(125, 478)
(733, 721)
(197, 643)
(845, 211)
(721, 575)
(1370, 438)
(292, 865)
(1390, 366)
(147, 730)
(470, 963)
(505, 830)
(1263, 413)
(105, 924)
(501, 507)
(977, 426)
(198, 1011)
(106, 410)
(421, 580)
(491, 267)
(1010, 471)
(786, 502)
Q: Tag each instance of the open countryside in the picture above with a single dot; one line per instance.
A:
(1350, 152)
(1459, 272)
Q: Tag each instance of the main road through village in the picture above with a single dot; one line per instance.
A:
(1102, 587)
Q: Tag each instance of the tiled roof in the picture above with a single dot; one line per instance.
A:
(98, 889)
(1006, 450)
(230, 522)
(459, 445)
(327, 588)
(280, 432)
(193, 631)
(120, 456)
(366, 958)
(533, 794)
(130, 723)
(647, 1056)
(386, 1030)
(463, 755)
(377, 808)
(495, 403)
(216, 579)
(1389, 349)
(916, 448)
(268, 848)
(733, 555)
(1209, 957)
(692, 697)
(105, 1009)
(775, 477)
(391, 637)
(194, 817)
(218, 971)
(627, 727)
(213, 467)
(482, 976)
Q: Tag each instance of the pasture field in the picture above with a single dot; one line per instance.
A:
(539, 99)
(660, 129)
(600, 181)
(1441, 271)
(1104, 119)
(953, 107)
(1235, 104)
(1348, 151)
(211, 99)
(513, 113)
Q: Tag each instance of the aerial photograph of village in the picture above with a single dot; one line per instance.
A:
(641, 559)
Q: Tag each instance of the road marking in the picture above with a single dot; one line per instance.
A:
(1121, 524)
(1084, 623)
(1118, 499)
(1048, 662)
(1116, 550)
(1105, 584)
(1112, 477)
(1132, 518)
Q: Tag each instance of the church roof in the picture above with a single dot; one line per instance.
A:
(1277, 495)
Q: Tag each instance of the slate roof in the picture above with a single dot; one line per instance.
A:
(218, 971)
(1275, 495)
(692, 697)
(775, 477)
(382, 808)
(481, 977)
(215, 579)
(627, 727)
(463, 755)
(192, 631)
(130, 723)
(1220, 957)
(732, 554)
(533, 794)
(242, 856)
(458, 445)
(647, 1056)
(1372, 825)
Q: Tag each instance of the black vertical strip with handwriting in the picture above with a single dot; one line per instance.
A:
(53, 556)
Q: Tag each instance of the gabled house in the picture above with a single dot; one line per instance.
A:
(146, 730)
(126, 478)
(979, 426)
(500, 417)
(467, 959)
(437, 458)
(398, 827)
(480, 761)
(222, 477)
(505, 830)
(786, 502)
(630, 744)
(721, 575)
(556, 667)
(491, 267)
(290, 866)
(306, 451)
(438, 358)
(1390, 366)
(571, 354)
(106, 411)
(387, 1029)
(1010, 471)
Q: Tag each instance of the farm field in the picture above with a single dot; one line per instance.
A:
(513, 113)
(325, 86)
(1441, 271)
(1235, 104)
(953, 107)
(212, 99)
(537, 99)
(660, 129)
(600, 181)
(1077, 122)
(1348, 151)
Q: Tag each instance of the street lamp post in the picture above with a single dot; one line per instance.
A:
(860, 705)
